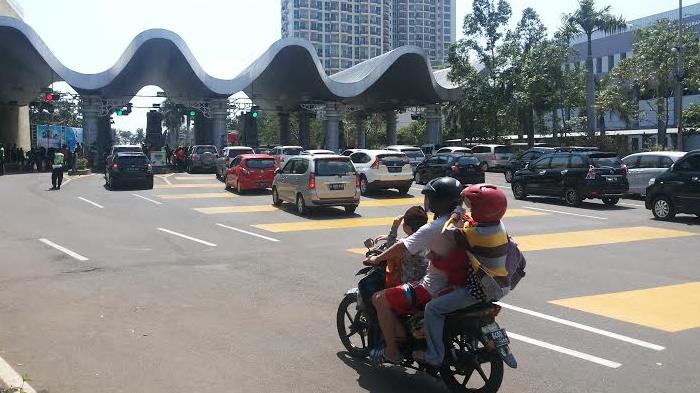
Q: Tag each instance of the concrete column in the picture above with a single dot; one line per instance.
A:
(332, 126)
(14, 126)
(361, 130)
(203, 133)
(91, 110)
(304, 120)
(390, 119)
(219, 112)
(433, 120)
(283, 119)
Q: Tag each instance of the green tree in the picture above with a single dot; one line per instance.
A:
(413, 133)
(652, 70)
(588, 20)
(173, 116)
(65, 111)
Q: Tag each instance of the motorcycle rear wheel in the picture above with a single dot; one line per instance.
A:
(352, 327)
(463, 377)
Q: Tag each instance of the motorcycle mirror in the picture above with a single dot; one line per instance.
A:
(369, 243)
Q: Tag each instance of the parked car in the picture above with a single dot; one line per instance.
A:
(642, 167)
(202, 158)
(454, 149)
(463, 167)
(523, 159)
(227, 155)
(120, 149)
(348, 152)
(282, 153)
(318, 152)
(129, 167)
(677, 190)
(415, 154)
(250, 172)
(493, 156)
(383, 169)
(574, 176)
(310, 181)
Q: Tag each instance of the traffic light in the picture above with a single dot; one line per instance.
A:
(193, 113)
(120, 111)
(254, 111)
(51, 97)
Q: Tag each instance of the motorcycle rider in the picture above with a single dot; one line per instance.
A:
(486, 244)
(442, 197)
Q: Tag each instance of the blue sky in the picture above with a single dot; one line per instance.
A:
(225, 35)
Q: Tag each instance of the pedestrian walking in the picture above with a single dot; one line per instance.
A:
(57, 170)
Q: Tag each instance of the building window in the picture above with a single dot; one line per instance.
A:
(611, 62)
(598, 65)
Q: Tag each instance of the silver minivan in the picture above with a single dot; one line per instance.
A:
(312, 181)
(642, 167)
(493, 156)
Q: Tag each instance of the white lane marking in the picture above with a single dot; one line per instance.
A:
(248, 233)
(91, 202)
(587, 328)
(194, 239)
(567, 213)
(147, 199)
(566, 351)
(12, 379)
(63, 250)
(165, 178)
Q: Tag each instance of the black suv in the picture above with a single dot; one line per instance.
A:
(575, 176)
(677, 190)
(129, 167)
(463, 167)
(523, 159)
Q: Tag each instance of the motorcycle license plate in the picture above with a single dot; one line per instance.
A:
(336, 187)
(492, 332)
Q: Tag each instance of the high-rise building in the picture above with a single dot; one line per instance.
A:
(348, 32)
(429, 24)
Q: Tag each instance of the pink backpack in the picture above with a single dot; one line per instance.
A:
(515, 263)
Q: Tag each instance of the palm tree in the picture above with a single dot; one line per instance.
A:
(587, 20)
(172, 119)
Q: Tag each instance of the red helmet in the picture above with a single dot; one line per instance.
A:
(488, 203)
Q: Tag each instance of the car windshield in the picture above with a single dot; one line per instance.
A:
(133, 160)
(414, 153)
(205, 149)
(260, 163)
(392, 159)
(609, 161)
(236, 152)
(334, 167)
(292, 151)
(502, 150)
(468, 160)
(123, 149)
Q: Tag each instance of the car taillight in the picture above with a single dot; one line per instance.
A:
(115, 166)
(455, 168)
(312, 181)
(591, 173)
(375, 164)
(624, 170)
(357, 181)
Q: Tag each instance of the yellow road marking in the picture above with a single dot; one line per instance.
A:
(671, 308)
(202, 185)
(360, 251)
(237, 209)
(205, 195)
(391, 202)
(595, 237)
(344, 223)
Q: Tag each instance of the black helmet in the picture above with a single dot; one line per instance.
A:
(443, 194)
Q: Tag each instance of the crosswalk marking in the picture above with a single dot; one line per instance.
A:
(671, 308)
(391, 202)
(205, 195)
(345, 223)
(552, 241)
(596, 237)
(236, 209)
(193, 185)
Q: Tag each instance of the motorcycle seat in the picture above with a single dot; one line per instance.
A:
(479, 309)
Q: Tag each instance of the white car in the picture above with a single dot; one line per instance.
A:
(493, 156)
(282, 153)
(415, 154)
(383, 169)
(454, 150)
(319, 152)
(642, 167)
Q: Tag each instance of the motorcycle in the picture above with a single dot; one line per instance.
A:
(474, 343)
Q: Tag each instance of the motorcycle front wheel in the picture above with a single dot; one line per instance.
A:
(470, 367)
(352, 327)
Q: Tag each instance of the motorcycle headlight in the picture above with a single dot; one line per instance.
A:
(652, 181)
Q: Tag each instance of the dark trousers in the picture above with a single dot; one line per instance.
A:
(57, 177)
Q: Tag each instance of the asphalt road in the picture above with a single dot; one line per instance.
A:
(115, 299)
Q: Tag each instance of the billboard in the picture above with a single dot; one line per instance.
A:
(54, 136)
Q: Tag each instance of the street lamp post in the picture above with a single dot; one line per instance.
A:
(679, 80)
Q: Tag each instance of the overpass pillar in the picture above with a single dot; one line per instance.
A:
(433, 120)
(283, 119)
(304, 120)
(91, 110)
(14, 126)
(332, 126)
(390, 119)
(361, 130)
(219, 113)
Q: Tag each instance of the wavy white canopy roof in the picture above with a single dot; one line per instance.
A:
(287, 74)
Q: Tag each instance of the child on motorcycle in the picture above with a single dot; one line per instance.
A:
(483, 247)
(442, 196)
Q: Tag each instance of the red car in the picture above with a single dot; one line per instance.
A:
(250, 172)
